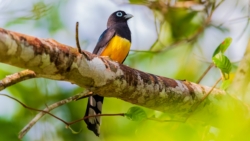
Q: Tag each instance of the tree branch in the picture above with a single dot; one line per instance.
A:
(240, 86)
(15, 78)
(50, 59)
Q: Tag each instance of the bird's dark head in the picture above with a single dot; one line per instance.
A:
(118, 17)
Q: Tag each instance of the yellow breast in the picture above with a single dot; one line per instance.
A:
(117, 49)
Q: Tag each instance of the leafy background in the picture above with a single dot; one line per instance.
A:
(171, 38)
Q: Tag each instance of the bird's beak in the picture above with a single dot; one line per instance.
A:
(128, 16)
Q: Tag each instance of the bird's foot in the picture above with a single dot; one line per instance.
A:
(107, 58)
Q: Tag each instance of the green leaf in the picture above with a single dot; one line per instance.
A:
(223, 46)
(222, 62)
(176, 18)
(136, 114)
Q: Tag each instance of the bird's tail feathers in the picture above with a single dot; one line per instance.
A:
(94, 107)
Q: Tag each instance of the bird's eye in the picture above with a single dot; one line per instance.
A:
(119, 14)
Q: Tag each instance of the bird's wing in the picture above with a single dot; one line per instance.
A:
(105, 37)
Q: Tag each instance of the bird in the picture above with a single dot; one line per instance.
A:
(113, 43)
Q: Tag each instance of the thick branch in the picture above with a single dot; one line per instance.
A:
(50, 59)
(241, 83)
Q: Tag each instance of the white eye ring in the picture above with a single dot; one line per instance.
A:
(119, 14)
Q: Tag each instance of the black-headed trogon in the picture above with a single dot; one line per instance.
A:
(114, 43)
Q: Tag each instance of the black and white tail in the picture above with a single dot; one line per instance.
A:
(94, 107)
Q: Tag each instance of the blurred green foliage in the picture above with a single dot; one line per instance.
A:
(172, 55)
(182, 22)
(38, 11)
(136, 114)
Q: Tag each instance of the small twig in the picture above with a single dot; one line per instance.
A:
(77, 39)
(243, 31)
(158, 32)
(203, 98)
(98, 115)
(235, 20)
(159, 120)
(206, 71)
(15, 78)
(216, 6)
(78, 43)
(46, 111)
(30, 108)
(120, 114)
(206, 95)
(145, 51)
(229, 14)
(84, 96)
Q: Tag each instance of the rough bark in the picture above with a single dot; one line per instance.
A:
(52, 60)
